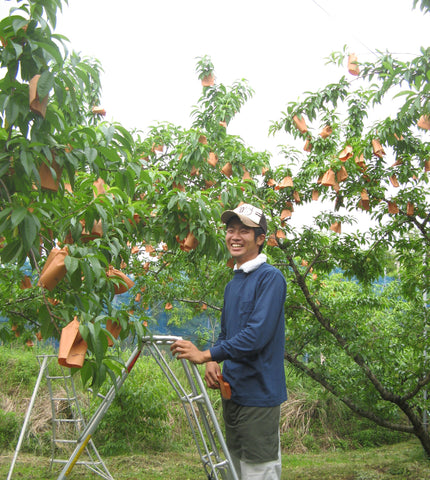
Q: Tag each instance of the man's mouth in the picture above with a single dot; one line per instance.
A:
(236, 245)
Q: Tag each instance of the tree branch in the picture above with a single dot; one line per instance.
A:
(346, 400)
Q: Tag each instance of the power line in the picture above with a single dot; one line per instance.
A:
(343, 23)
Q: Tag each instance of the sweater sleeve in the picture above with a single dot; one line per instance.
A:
(261, 324)
(222, 333)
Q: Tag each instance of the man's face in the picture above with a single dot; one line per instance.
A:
(241, 241)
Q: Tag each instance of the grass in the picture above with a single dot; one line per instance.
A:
(144, 435)
(403, 461)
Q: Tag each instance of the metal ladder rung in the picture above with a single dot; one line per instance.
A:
(63, 440)
(63, 399)
(98, 394)
(68, 420)
(79, 462)
(189, 399)
(58, 377)
(217, 465)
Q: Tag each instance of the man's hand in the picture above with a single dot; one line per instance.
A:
(188, 351)
(211, 374)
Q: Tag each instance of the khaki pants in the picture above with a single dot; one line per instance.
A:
(252, 436)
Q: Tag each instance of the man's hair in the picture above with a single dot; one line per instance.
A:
(257, 232)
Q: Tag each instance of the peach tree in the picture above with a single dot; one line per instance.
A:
(89, 209)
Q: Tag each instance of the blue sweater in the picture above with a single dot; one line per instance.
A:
(252, 338)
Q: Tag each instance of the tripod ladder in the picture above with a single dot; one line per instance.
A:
(67, 419)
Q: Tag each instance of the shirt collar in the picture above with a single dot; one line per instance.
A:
(253, 264)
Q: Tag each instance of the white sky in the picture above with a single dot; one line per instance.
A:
(148, 51)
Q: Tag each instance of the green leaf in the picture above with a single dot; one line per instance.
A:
(26, 161)
(4, 167)
(5, 212)
(86, 372)
(18, 49)
(71, 263)
(45, 83)
(52, 50)
(110, 154)
(46, 326)
(91, 154)
(28, 229)
(18, 215)
(110, 372)
(101, 211)
(76, 279)
(7, 21)
(12, 111)
(11, 251)
(98, 342)
(88, 275)
(139, 329)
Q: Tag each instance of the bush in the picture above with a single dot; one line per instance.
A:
(143, 413)
(371, 436)
(19, 369)
(9, 429)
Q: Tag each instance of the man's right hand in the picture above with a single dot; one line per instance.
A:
(211, 374)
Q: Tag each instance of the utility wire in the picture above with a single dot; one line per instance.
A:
(343, 23)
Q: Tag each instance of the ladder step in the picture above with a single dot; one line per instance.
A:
(63, 440)
(98, 394)
(63, 399)
(189, 398)
(79, 462)
(67, 420)
(57, 377)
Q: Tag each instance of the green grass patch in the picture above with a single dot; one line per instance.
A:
(403, 461)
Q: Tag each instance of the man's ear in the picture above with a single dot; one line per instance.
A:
(260, 239)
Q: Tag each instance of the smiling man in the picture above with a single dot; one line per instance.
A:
(251, 346)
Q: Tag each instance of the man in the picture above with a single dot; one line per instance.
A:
(251, 345)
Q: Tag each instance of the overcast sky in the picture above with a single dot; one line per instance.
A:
(148, 51)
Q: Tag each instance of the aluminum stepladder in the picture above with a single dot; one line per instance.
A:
(198, 409)
(74, 421)
(200, 414)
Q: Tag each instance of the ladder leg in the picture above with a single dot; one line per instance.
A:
(208, 442)
(210, 423)
(212, 416)
(27, 416)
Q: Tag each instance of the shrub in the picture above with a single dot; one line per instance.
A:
(19, 369)
(9, 429)
(142, 413)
